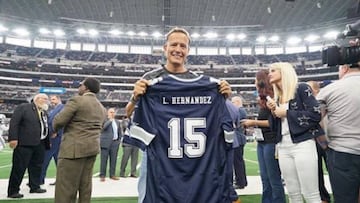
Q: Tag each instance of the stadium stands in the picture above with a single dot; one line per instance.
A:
(32, 68)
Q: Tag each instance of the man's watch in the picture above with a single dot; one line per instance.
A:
(133, 100)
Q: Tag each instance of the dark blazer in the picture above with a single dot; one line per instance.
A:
(237, 114)
(25, 126)
(303, 117)
(82, 119)
(52, 115)
(107, 134)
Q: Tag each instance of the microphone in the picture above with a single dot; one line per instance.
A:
(268, 98)
(354, 26)
(350, 30)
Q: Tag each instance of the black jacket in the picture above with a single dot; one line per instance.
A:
(303, 117)
(25, 126)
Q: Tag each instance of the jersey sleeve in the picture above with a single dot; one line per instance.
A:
(140, 131)
(227, 124)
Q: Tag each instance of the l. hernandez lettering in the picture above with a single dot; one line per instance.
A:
(187, 100)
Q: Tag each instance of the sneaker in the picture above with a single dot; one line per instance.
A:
(102, 179)
(133, 176)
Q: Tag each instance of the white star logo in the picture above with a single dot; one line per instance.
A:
(294, 105)
(303, 121)
(308, 91)
(317, 109)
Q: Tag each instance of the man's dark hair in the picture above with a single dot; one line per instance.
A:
(92, 84)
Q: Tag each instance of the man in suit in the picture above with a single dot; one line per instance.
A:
(129, 151)
(238, 145)
(82, 118)
(109, 143)
(28, 136)
(55, 137)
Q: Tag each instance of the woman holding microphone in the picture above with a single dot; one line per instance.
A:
(273, 190)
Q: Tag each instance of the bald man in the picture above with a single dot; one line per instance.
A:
(109, 142)
(28, 136)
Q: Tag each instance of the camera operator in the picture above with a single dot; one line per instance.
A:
(340, 103)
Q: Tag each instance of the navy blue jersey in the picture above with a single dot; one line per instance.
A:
(188, 134)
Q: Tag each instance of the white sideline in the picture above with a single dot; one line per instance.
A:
(125, 187)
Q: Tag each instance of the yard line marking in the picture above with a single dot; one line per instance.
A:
(6, 166)
(251, 161)
(6, 151)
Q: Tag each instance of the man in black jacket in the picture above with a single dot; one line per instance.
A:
(28, 136)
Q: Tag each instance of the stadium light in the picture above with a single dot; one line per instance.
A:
(93, 32)
(115, 32)
(318, 4)
(143, 34)
(241, 36)
(269, 9)
(156, 34)
(211, 35)
(81, 31)
(58, 32)
(21, 32)
(261, 39)
(3, 28)
(131, 33)
(195, 35)
(44, 31)
(230, 36)
(274, 38)
(311, 38)
(293, 40)
(331, 34)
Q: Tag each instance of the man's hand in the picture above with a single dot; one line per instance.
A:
(53, 135)
(224, 88)
(140, 88)
(13, 144)
(247, 123)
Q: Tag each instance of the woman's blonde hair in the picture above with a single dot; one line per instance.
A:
(289, 82)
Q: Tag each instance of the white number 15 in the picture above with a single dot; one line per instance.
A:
(196, 141)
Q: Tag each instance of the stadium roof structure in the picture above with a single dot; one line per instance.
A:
(221, 16)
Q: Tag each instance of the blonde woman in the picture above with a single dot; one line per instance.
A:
(273, 190)
(296, 117)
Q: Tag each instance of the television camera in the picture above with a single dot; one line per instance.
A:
(344, 54)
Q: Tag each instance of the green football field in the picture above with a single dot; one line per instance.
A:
(5, 167)
(244, 199)
(252, 168)
(250, 157)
